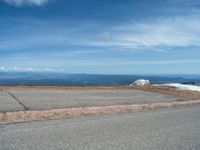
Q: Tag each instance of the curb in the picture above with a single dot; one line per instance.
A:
(24, 116)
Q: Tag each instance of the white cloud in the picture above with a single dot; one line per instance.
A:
(115, 62)
(162, 34)
(30, 69)
(26, 2)
(2, 68)
(167, 32)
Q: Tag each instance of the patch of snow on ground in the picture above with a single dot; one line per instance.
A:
(183, 86)
(141, 82)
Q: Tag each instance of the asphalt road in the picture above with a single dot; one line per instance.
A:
(8, 103)
(48, 99)
(177, 129)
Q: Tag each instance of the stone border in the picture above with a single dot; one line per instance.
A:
(24, 116)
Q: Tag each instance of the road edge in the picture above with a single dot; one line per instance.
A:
(24, 116)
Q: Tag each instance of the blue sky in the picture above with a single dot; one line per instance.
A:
(100, 36)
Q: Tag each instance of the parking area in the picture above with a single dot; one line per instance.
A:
(8, 103)
(50, 99)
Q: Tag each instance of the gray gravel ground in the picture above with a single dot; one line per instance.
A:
(48, 99)
(8, 103)
(177, 129)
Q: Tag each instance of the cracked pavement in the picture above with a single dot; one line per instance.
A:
(8, 103)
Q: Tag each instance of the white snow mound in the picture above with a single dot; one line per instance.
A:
(140, 82)
(183, 86)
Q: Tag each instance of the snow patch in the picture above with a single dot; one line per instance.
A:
(140, 82)
(183, 86)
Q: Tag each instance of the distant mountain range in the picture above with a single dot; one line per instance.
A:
(67, 79)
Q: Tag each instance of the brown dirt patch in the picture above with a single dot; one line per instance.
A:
(22, 116)
(64, 87)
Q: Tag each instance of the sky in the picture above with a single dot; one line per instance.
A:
(100, 36)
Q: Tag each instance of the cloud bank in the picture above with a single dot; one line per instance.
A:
(26, 2)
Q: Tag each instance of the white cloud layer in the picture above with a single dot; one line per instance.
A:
(161, 34)
(26, 2)
(30, 69)
(167, 32)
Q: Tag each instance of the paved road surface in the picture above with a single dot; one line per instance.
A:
(177, 129)
(8, 103)
(47, 99)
